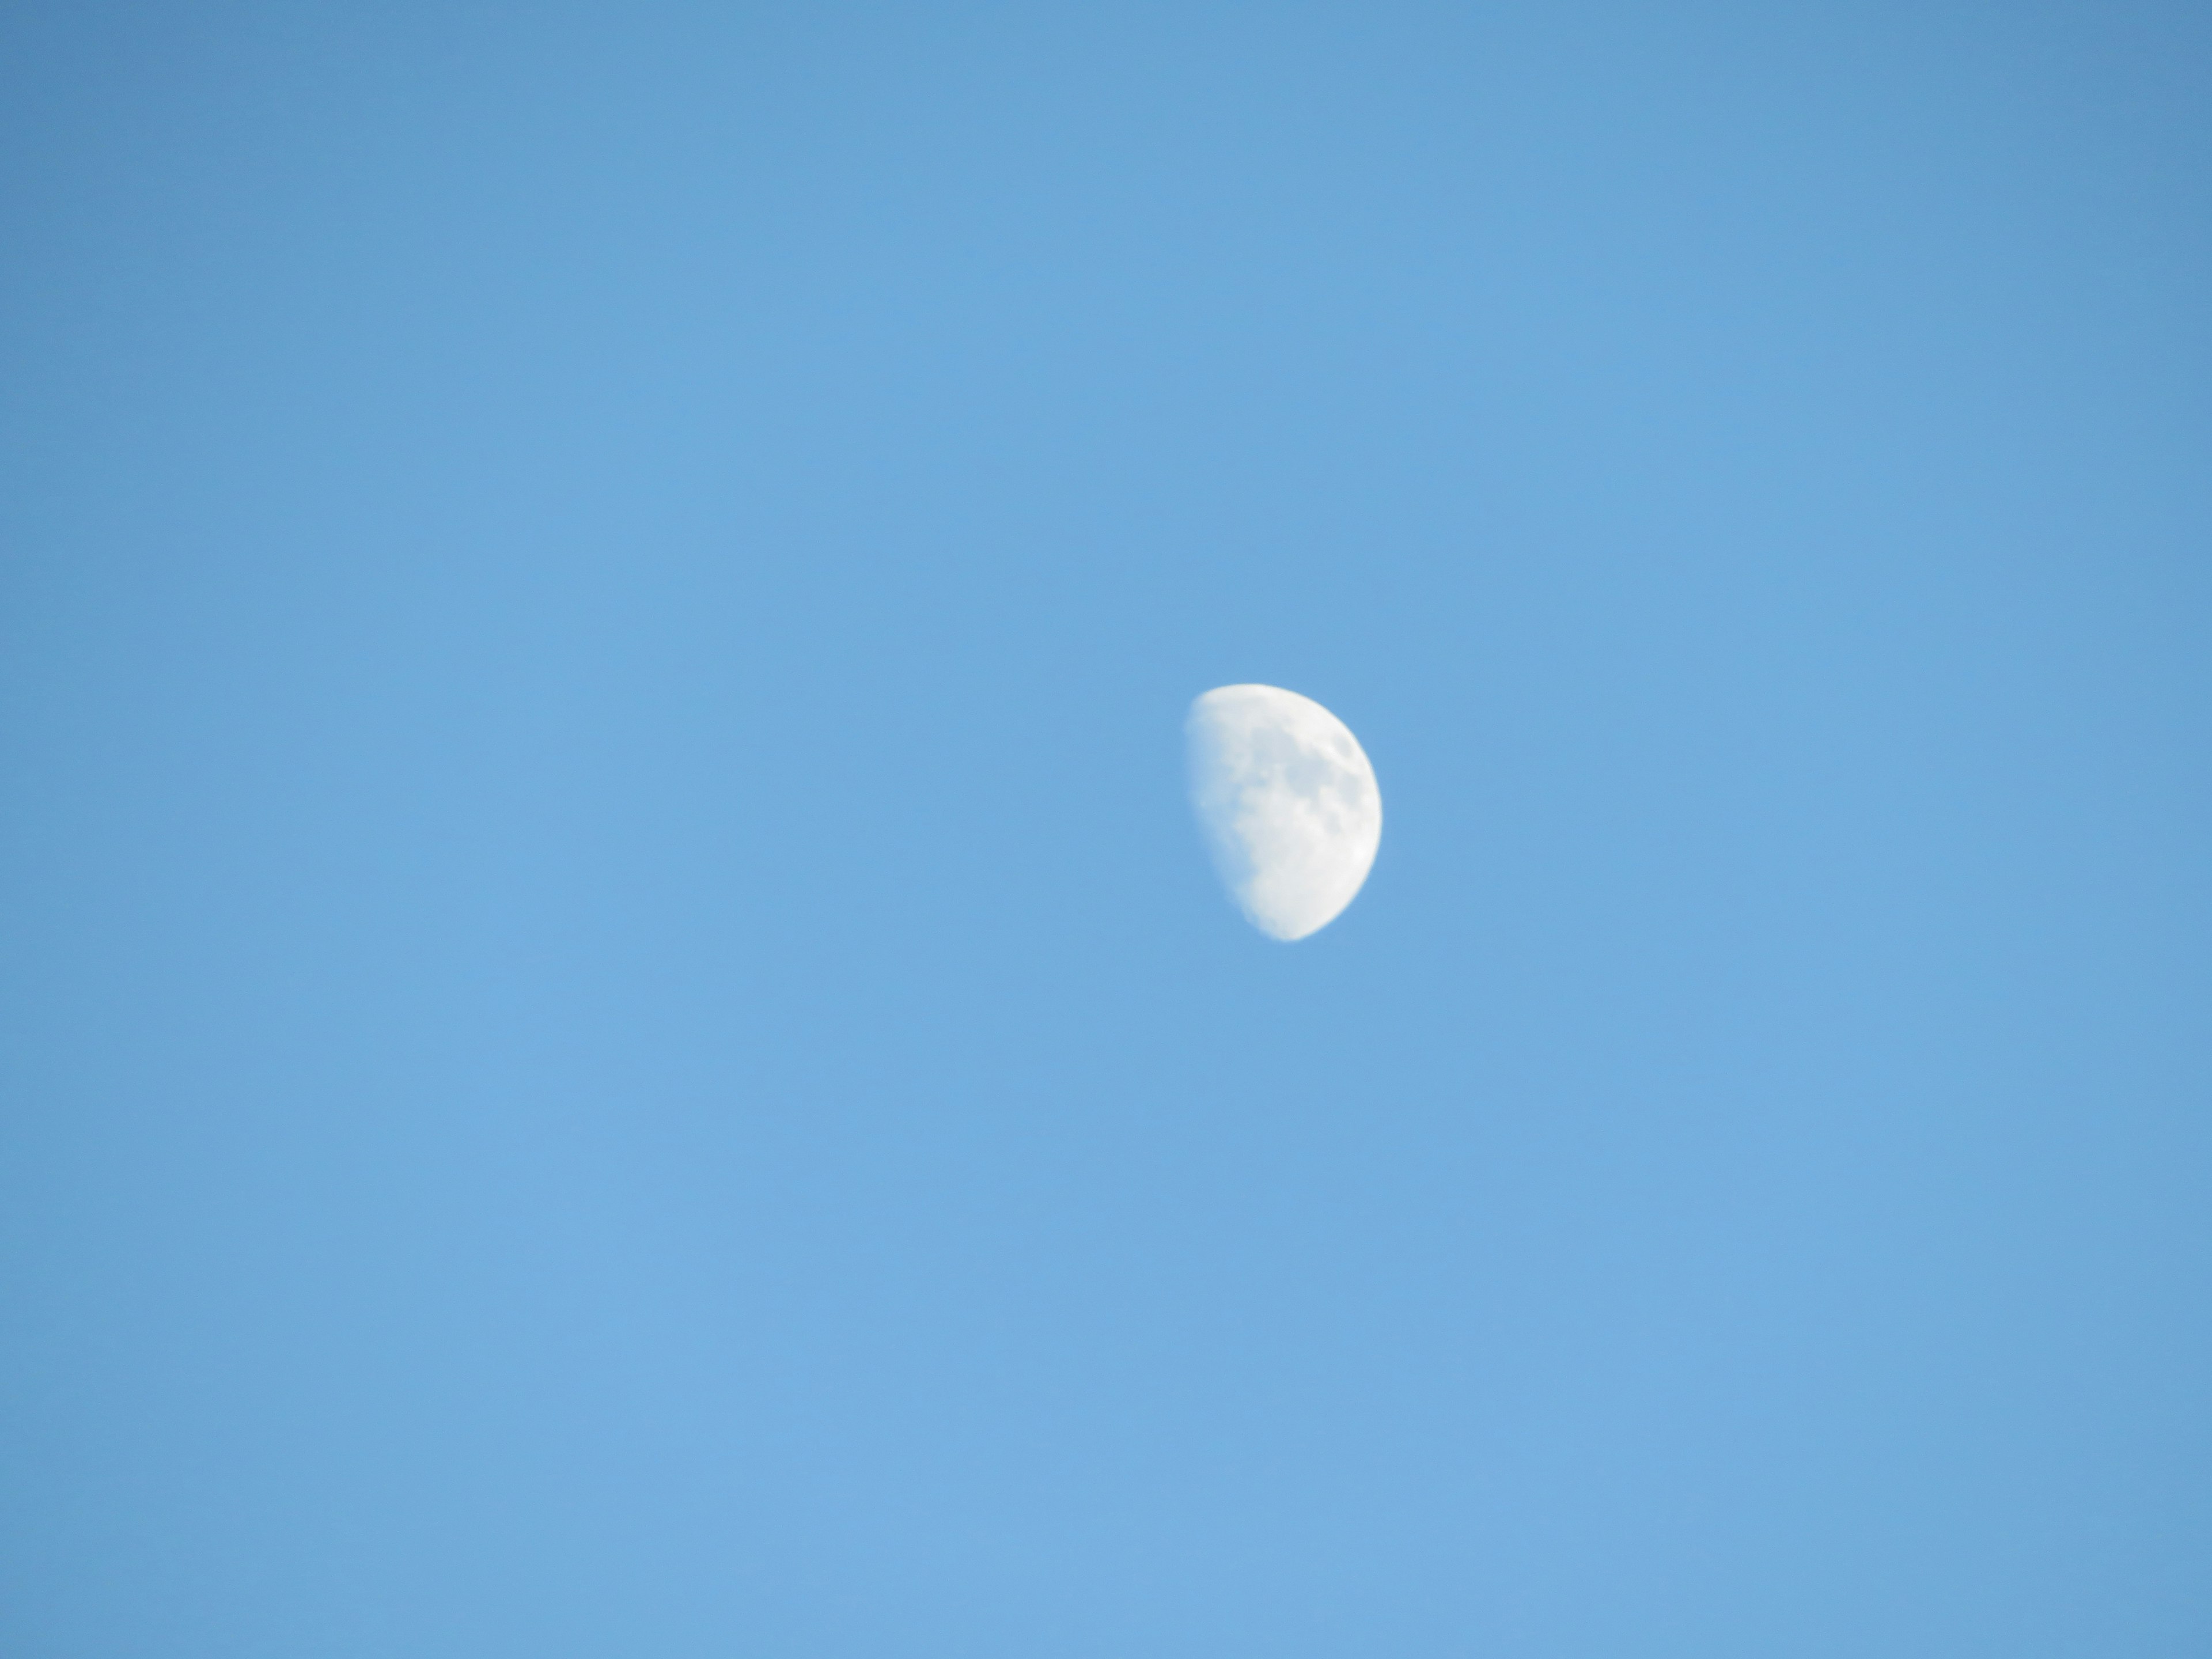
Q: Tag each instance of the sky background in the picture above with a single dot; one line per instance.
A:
(615, 1038)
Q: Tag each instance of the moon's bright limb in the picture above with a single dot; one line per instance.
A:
(1287, 802)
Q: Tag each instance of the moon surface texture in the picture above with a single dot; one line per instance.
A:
(1287, 803)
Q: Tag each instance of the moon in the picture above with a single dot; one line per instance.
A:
(1287, 803)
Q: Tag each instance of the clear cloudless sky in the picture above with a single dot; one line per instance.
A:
(615, 1038)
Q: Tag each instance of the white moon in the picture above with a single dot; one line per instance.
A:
(1287, 803)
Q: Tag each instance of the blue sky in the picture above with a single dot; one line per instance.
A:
(613, 1037)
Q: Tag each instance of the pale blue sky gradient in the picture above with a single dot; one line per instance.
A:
(615, 1039)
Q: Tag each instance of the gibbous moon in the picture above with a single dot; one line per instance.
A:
(1287, 802)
